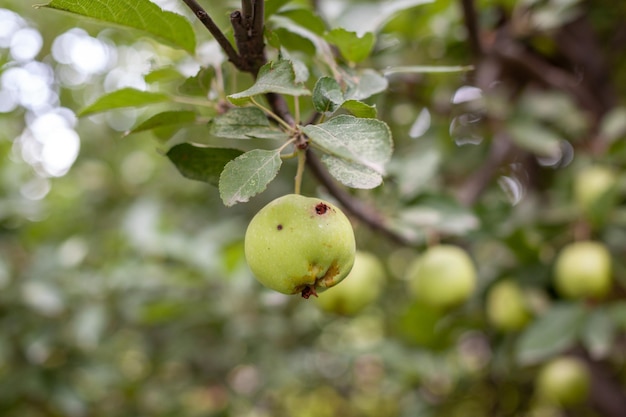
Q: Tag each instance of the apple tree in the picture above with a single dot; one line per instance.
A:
(475, 147)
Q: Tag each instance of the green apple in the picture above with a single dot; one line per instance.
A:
(443, 276)
(298, 244)
(563, 381)
(360, 288)
(592, 183)
(506, 306)
(583, 269)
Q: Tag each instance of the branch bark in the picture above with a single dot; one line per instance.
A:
(248, 26)
(470, 19)
(204, 17)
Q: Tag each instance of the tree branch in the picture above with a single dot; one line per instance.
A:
(248, 27)
(354, 206)
(204, 17)
(512, 52)
(471, 25)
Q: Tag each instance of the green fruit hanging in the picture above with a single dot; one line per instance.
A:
(298, 244)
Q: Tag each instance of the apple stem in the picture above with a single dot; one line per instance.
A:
(300, 171)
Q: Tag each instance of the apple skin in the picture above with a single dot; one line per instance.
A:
(443, 277)
(591, 183)
(563, 381)
(298, 244)
(583, 270)
(506, 306)
(361, 287)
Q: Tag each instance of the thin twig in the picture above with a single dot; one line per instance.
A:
(247, 9)
(204, 17)
(258, 19)
(280, 107)
(471, 24)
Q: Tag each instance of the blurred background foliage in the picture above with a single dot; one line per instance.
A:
(123, 287)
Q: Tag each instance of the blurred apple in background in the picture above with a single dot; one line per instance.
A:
(360, 288)
(563, 381)
(444, 276)
(583, 269)
(591, 183)
(506, 306)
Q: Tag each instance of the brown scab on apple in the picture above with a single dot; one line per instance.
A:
(321, 208)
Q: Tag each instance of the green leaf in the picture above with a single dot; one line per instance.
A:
(160, 312)
(294, 42)
(598, 333)
(372, 16)
(201, 164)
(199, 84)
(272, 38)
(365, 84)
(167, 27)
(274, 77)
(440, 213)
(244, 123)
(552, 333)
(554, 109)
(352, 174)
(618, 314)
(415, 169)
(272, 6)
(535, 137)
(327, 95)
(359, 142)
(613, 124)
(360, 109)
(164, 74)
(126, 97)
(173, 118)
(305, 18)
(427, 69)
(352, 47)
(248, 175)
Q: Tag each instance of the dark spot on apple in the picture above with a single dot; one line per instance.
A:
(308, 291)
(279, 227)
(321, 208)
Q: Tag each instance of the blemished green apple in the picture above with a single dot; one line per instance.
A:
(444, 276)
(506, 306)
(298, 244)
(591, 183)
(360, 288)
(563, 381)
(583, 270)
